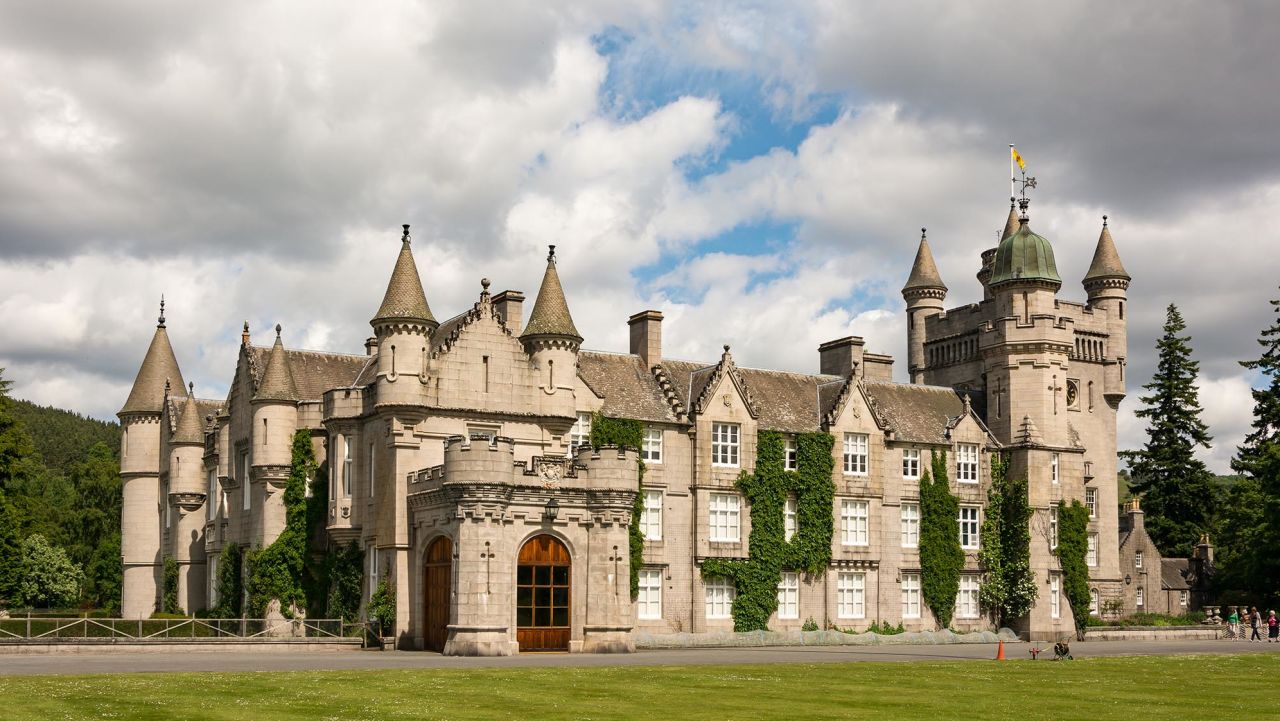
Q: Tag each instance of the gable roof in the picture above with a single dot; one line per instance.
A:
(1175, 574)
(314, 372)
(628, 388)
(915, 413)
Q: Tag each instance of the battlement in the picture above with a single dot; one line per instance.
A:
(489, 460)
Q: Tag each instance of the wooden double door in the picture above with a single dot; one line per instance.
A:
(437, 579)
(543, 595)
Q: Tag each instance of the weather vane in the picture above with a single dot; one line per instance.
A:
(1027, 182)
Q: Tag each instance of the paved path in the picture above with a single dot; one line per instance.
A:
(162, 661)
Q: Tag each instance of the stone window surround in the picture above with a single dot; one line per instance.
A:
(726, 439)
(851, 594)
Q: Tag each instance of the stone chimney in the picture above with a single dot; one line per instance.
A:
(510, 305)
(646, 336)
(370, 345)
(842, 357)
(1133, 509)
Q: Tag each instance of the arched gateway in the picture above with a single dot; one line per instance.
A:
(437, 577)
(543, 585)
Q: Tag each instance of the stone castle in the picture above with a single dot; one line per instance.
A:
(457, 457)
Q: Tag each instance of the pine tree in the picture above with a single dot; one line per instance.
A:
(1259, 460)
(1176, 488)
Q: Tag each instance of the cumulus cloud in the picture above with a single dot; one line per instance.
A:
(253, 161)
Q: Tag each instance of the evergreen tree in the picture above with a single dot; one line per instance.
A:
(10, 553)
(1176, 488)
(941, 557)
(1259, 459)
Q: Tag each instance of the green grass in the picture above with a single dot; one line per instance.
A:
(1184, 687)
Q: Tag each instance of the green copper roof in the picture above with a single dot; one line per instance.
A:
(1024, 256)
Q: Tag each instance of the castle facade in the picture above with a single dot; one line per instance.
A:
(457, 457)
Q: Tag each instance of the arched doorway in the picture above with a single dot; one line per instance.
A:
(543, 595)
(437, 577)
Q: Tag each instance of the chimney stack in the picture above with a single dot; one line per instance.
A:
(646, 336)
(1133, 509)
(510, 306)
(842, 357)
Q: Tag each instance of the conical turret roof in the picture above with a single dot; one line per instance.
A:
(1106, 261)
(924, 272)
(550, 314)
(190, 426)
(277, 380)
(158, 366)
(404, 299)
(1011, 223)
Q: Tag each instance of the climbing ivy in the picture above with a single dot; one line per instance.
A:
(344, 575)
(607, 431)
(768, 552)
(941, 557)
(169, 600)
(277, 571)
(1073, 544)
(1009, 586)
(230, 583)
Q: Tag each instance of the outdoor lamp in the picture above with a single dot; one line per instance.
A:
(552, 511)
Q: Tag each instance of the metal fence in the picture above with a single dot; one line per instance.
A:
(37, 628)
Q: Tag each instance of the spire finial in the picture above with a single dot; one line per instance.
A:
(1104, 221)
(278, 329)
(167, 386)
(160, 321)
(244, 334)
(405, 238)
(923, 233)
(551, 254)
(1023, 202)
(191, 390)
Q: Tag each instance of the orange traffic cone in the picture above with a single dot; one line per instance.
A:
(1000, 651)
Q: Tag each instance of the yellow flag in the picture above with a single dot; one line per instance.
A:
(1022, 164)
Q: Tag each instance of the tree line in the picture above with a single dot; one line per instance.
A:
(1182, 498)
(59, 507)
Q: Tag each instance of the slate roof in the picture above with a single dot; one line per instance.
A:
(204, 407)
(314, 372)
(924, 272)
(1106, 260)
(158, 365)
(1175, 574)
(277, 382)
(627, 386)
(917, 413)
(404, 298)
(550, 314)
(785, 401)
(190, 427)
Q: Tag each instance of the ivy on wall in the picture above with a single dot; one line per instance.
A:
(277, 571)
(1073, 544)
(169, 598)
(1009, 586)
(344, 579)
(768, 552)
(230, 583)
(941, 557)
(607, 431)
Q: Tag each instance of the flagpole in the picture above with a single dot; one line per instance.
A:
(1012, 178)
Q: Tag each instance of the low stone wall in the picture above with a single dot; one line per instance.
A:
(1152, 633)
(160, 645)
(723, 639)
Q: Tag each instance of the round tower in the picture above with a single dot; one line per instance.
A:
(275, 418)
(552, 341)
(140, 522)
(403, 327)
(186, 499)
(925, 294)
(1107, 284)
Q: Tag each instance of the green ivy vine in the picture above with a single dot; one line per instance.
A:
(230, 582)
(169, 599)
(277, 571)
(607, 431)
(1009, 585)
(1073, 544)
(768, 552)
(941, 557)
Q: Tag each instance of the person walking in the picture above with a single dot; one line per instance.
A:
(1273, 627)
(1255, 620)
(1233, 624)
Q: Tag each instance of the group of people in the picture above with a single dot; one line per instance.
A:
(1254, 620)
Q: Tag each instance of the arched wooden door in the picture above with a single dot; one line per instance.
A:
(543, 595)
(437, 577)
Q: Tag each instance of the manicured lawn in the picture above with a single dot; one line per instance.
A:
(1183, 687)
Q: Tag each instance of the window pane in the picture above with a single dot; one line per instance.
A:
(524, 596)
(542, 575)
(524, 616)
(560, 617)
(561, 575)
(524, 575)
(542, 617)
(561, 596)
